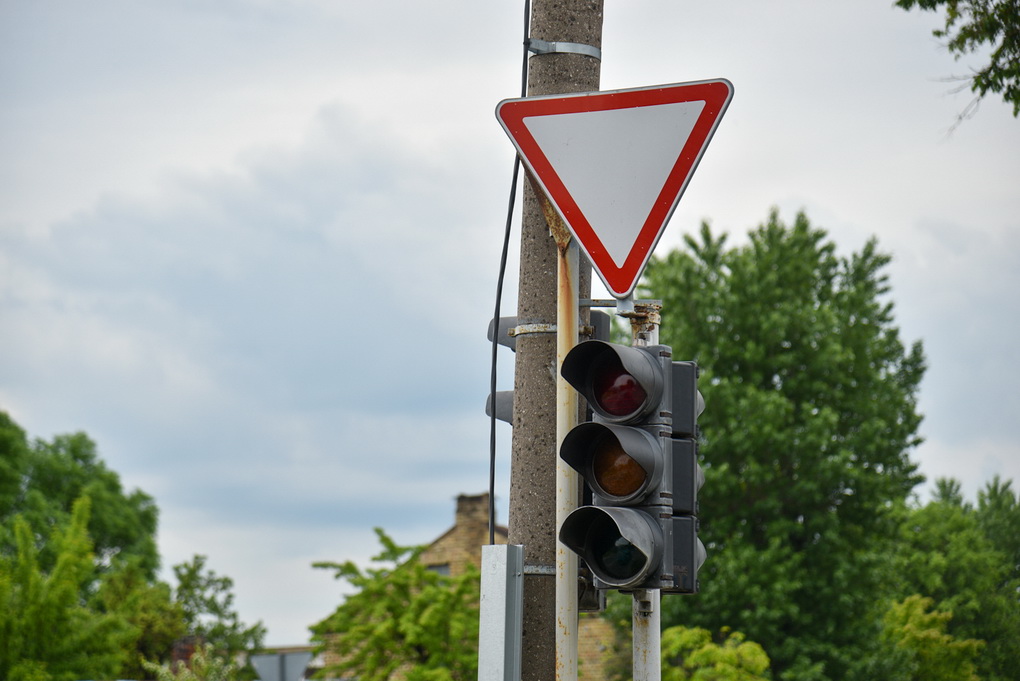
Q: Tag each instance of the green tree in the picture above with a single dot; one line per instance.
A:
(998, 514)
(13, 463)
(46, 633)
(948, 491)
(403, 619)
(207, 601)
(976, 25)
(52, 476)
(204, 665)
(931, 654)
(41, 485)
(690, 654)
(946, 552)
(148, 607)
(811, 414)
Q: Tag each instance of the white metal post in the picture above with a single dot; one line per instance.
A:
(500, 612)
(647, 664)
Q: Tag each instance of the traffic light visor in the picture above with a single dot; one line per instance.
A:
(621, 464)
(622, 546)
(622, 384)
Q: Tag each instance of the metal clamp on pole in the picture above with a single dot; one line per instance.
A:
(531, 328)
(546, 47)
(543, 570)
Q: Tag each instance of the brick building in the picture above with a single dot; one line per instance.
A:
(461, 545)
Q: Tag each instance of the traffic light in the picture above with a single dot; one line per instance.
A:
(638, 456)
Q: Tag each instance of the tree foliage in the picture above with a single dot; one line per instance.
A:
(207, 601)
(959, 557)
(976, 25)
(148, 607)
(41, 482)
(78, 564)
(14, 455)
(931, 654)
(204, 665)
(404, 619)
(690, 654)
(998, 516)
(811, 415)
(46, 632)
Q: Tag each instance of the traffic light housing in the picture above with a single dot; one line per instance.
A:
(638, 456)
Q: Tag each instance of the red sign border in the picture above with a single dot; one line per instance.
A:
(620, 280)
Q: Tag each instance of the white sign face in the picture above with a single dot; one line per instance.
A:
(614, 164)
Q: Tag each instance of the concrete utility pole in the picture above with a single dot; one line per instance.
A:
(533, 462)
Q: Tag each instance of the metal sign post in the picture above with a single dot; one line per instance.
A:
(646, 613)
(567, 482)
(500, 612)
(646, 616)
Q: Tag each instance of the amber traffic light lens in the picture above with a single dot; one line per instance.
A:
(614, 470)
(615, 391)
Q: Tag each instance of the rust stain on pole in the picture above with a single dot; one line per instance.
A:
(644, 322)
(557, 227)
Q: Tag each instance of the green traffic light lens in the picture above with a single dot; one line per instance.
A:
(615, 471)
(615, 557)
(615, 391)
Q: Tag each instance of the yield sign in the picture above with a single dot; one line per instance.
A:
(614, 164)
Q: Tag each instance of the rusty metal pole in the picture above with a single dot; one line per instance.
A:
(568, 485)
(533, 453)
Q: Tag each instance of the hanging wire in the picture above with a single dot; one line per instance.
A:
(499, 290)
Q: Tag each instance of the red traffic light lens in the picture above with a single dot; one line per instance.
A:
(615, 471)
(615, 391)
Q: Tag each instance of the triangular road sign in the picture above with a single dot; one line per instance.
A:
(614, 164)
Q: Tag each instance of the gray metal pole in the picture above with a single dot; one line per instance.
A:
(646, 613)
(646, 618)
(533, 457)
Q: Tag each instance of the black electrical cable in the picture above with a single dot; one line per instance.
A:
(499, 290)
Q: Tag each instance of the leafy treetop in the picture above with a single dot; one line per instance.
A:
(404, 619)
(811, 413)
(970, 26)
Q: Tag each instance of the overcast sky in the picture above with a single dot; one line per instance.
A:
(250, 246)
